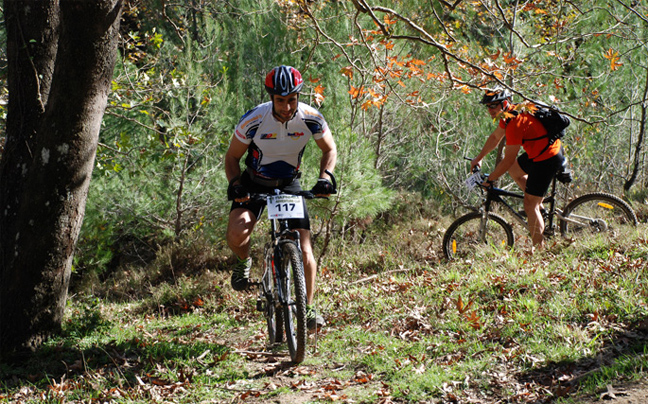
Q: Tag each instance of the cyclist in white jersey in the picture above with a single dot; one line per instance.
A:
(274, 135)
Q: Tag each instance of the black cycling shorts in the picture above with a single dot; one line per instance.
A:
(257, 207)
(540, 173)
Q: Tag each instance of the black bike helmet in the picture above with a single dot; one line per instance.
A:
(283, 80)
(497, 94)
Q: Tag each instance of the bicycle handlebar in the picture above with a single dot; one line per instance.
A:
(333, 181)
(305, 194)
(475, 168)
(257, 197)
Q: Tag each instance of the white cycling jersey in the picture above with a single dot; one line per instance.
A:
(276, 148)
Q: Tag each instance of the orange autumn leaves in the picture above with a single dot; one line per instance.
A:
(613, 57)
(398, 70)
(318, 91)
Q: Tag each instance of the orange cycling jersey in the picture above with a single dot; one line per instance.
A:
(524, 127)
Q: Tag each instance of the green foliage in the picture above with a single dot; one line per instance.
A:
(402, 123)
(361, 192)
(168, 139)
(85, 319)
(537, 50)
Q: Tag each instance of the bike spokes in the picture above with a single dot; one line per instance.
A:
(597, 213)
(471, 233)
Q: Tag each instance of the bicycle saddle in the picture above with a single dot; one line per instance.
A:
(564, 174)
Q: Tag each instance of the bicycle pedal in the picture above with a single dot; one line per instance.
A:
(549, 231)
(261, 305)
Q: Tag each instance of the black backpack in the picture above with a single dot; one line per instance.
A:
(553, 121)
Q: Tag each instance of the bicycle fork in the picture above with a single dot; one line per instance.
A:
(484, 210)
(266, 296)
(482, 225)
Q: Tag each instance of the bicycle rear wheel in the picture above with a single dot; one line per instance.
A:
(463, 237)
(273, 312)
(597, 213)
(294, 291)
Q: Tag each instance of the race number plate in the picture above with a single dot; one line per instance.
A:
(285, 207)
(474, 180)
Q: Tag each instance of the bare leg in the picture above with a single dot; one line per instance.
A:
(518, 175)
(532, 206)
(310, 265)
(239, 229)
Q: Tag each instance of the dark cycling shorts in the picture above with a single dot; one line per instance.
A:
(540, 173)
(257, 207)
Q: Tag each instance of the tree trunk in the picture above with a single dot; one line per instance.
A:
(61, 55)
(639, 146)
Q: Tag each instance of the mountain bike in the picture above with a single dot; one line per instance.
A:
(282, 286)
(592, 213)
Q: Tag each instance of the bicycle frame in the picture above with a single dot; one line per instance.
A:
(497, 195)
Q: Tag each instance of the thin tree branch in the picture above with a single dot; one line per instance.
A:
(441, 22)
(173, 24)
(632, 10)
(108, 112)
(511, 25)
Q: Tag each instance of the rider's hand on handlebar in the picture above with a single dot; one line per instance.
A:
(237, 193)
(475, 165)
(323, 188)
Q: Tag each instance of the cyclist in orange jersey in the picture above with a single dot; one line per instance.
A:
(534, 170)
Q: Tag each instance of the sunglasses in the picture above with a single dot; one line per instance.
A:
(493, 106)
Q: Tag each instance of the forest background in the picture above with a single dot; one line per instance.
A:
(399, 83)
(399, 86)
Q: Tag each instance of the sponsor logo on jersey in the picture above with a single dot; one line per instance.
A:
(240, 135)
(296, 135)
(254, 118)
(312, 112)
(269, 136)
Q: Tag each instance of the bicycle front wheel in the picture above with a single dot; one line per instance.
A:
(464, 236)
(273, 312)
(597, 213)
(294, 291)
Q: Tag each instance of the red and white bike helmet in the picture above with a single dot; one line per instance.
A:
(283, 80)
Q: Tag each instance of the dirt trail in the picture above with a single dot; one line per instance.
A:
(630, 393)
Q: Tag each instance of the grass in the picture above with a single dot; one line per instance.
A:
(403, 326)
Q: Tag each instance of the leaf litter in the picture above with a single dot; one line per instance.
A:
(475, 321)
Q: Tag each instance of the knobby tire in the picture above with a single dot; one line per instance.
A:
(463, 236)
(294, 312)
(598, 213)
(274, 313)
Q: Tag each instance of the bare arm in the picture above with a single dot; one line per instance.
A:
(510, 154)
(329, 155)
(490, 145)
(233, 158)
